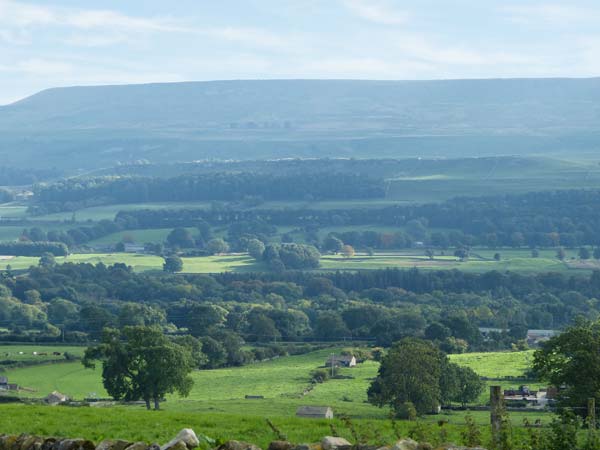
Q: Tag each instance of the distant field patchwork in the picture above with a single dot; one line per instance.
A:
(514, 260)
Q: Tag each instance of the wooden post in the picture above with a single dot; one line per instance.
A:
(591, 413)
(496, 410)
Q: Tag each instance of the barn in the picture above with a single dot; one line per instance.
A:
(341, 361)
(315, 412)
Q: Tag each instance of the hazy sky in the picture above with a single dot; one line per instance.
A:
(48, 43)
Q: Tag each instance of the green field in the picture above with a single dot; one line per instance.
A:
(217, 406)
(513, 260)
(283, 382)
(12, 210)
(142, 263)
(25, 353)
(496, 364)
(135, 424)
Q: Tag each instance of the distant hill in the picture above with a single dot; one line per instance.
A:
(91, 127)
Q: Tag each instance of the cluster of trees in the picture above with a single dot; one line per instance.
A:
(75, 193)
(571, 360)
(383, 306)
(39, 248)
(281, 257)
(416, 374)
(545, 219)
(75, 236)
(23, 315)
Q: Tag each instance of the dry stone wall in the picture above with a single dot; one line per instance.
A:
(187, 440)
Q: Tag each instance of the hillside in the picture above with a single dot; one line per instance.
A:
(84, 127)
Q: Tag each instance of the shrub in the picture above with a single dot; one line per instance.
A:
(406, 411)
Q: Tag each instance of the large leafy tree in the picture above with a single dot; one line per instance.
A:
(416, 371)
(459, 384)
(410, 372)
(572, 360)
(141, 363)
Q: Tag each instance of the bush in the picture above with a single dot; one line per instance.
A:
(319, 376)
(406, 411)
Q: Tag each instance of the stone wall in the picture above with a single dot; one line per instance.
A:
(187, 440)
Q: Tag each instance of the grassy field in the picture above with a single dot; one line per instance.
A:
(217, 406)
(142, 263)
(12, 210)
(152, 426)
(284, 383)
(496, 364)
(25, 353)
(513, 260)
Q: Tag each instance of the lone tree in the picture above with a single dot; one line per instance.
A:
(256, 248)
(348, 251)
(173, 264)
(47, 260)
(216, 246)
(142, 363)
(572, 360)
(584, 253)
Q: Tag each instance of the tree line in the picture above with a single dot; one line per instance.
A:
(226, 310)
(76, 193)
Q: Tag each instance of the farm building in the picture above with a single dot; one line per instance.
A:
(134, 248)
(315, 412)
(56, 398)
(6, 386)
(524, 397)
(341, 361)
(536, 337)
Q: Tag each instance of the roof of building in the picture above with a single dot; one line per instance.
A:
(542, 332)
(3, 380)
(56, 397)
(341, 358)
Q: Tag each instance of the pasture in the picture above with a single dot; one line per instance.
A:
(518, 260)
(496, 364)
(41, 353)
(283, 382)
(143, 263)
(217, 406)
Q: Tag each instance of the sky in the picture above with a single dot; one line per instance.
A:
(48, 43)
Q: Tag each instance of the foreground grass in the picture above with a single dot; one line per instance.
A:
(136, 424)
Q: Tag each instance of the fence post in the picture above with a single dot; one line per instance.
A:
(496, 411)
(591, 413)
